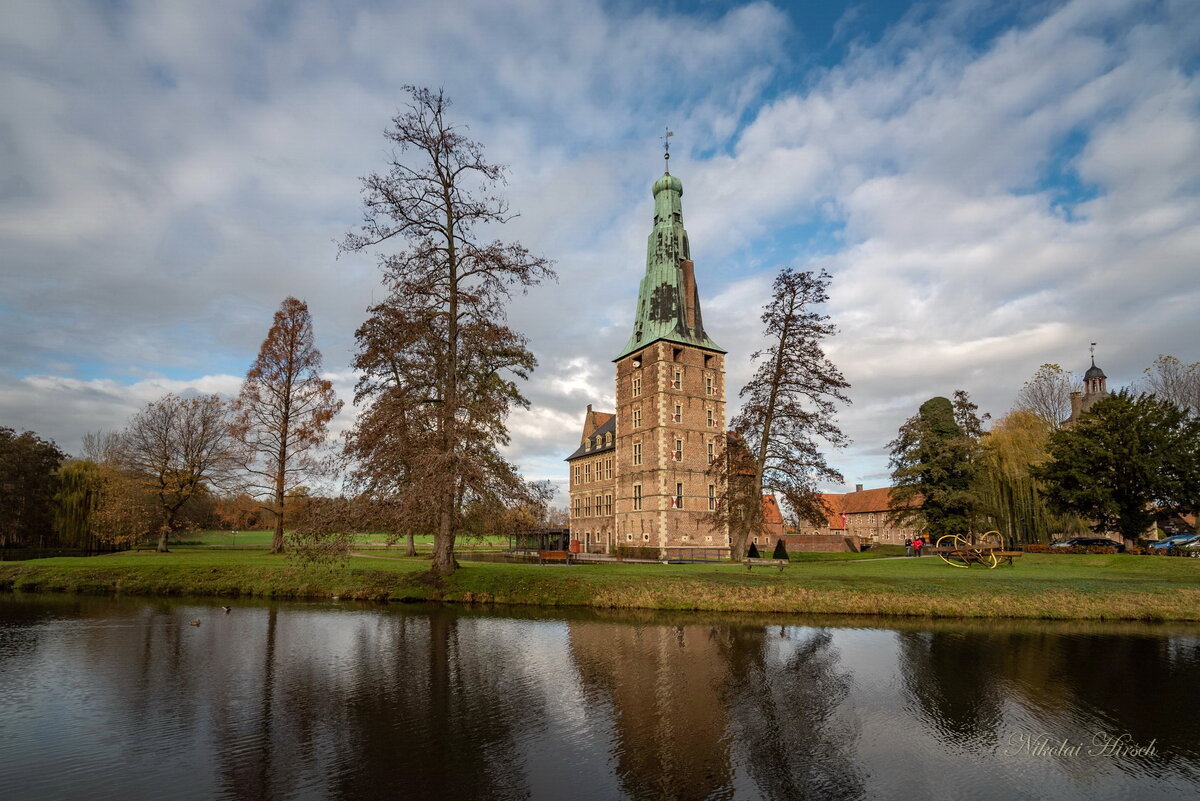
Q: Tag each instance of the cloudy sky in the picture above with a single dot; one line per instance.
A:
(992, 185)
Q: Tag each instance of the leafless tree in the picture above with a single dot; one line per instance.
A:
(438, 362)
(1175, 382)
(102, 447)
(281, 415)
(1048, 394)
(177, 446)
(788, 408)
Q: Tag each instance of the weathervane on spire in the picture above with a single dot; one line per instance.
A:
(1092, 350)
(667, 151)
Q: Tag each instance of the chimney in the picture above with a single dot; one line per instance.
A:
(858, 487)
(1076, 405)
(689, 290)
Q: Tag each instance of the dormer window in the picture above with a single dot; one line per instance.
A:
(608, 438)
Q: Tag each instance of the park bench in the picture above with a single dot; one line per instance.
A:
(780, 563)
(1009, 555)
(554, 556)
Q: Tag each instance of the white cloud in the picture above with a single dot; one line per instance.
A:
(169, 172)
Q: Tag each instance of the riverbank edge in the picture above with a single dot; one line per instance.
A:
(555, 588)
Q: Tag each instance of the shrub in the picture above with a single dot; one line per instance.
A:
(1092, 549)
(753, 552)
(780, 550)
(637, 552)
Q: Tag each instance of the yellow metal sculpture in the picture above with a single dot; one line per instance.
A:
(958, 551)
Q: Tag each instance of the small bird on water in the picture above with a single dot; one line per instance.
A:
(227, 609)
(194, 623)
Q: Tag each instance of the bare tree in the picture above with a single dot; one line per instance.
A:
(1048, 394)
(281, 415)
(102, 447)
(438, 362)
(1171, 380)
(788, 408)
(177, 446)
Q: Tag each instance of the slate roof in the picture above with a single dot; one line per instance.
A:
(609, 426)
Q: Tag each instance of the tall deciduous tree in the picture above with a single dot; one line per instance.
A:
(935, 463)
(788, 409)
(1171, 380)
(281, 416)
(1125, 459)
(177, 446)
(28, 481)
(1048, 394)
(438, 362)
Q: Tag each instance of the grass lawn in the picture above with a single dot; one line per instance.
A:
(1106, 587)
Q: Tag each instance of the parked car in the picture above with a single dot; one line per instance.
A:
(1178, 541)
(1192, 547)
(1085, 542)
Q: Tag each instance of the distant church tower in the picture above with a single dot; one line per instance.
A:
(670, 409)
(1095, 387)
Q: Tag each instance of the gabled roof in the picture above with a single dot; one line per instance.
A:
(609, 426)
(865, 501)
(772, 517)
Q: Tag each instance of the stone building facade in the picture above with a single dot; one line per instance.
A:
(670, 415)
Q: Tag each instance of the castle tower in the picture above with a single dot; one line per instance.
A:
(670, 397)
(1095, 387)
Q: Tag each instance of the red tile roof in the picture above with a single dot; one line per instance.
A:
(772, 517)
(850, 503)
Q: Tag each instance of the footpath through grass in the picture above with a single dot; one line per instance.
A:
(1108, 587)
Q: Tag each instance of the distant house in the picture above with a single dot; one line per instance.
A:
(865, 514)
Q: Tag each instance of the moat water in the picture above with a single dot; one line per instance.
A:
(123, 699)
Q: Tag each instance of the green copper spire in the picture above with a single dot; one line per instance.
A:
(668, 305)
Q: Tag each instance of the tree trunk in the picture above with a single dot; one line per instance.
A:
(411, 550)
(162, 540)
(443, 542)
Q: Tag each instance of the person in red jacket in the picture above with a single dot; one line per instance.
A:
(918, 544)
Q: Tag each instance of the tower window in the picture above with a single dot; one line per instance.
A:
(637, 385)
(711, 423)
(678, 416)
(637, 453)
(710, 387)
(678, 495)
(676, 354)
(637, 418)
(708, 360)
(608, 468)
(712, 497)
(711, 453)
(678, 382)
(637, 497)
(678, 450)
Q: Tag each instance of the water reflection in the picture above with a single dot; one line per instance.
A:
(109, 698)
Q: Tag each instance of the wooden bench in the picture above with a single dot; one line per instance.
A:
(780, 563)
(1009, 555)
(554, 556)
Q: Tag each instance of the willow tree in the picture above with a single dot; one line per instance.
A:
(789, 409)
(282, 413)
(1008, 493)
(75, 501)
(438, 363)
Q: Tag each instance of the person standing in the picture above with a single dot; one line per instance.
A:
(918, 544)
(908, 546)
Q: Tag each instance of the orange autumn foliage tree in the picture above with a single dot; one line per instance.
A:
(281, 415)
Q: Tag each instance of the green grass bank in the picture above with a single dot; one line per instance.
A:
(1049, 587)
